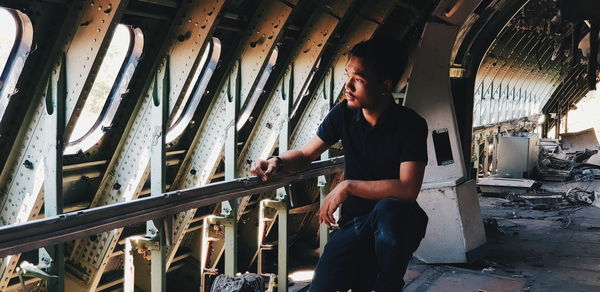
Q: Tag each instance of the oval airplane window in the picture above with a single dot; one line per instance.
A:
(16, 37)
(109, 86)
(196, 90)
(111, 64)
(250, 102)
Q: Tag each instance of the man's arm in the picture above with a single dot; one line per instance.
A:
(407, 187)
(292, 160)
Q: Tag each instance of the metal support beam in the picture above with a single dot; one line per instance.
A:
(476, 148)
(129, 267)
(486, 154)
(53, 257)
(229, 209)
(496, 134)
(280, 205)
(155, 230)
(324, 187)
(322, 182)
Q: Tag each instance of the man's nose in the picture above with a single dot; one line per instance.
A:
(349, 86)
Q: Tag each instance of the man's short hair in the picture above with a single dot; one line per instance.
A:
(387, 58)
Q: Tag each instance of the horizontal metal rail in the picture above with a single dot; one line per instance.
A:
(19, 238)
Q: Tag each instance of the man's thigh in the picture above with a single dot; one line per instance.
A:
(338, 262)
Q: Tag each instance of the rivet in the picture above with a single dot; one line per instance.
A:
(28, 164)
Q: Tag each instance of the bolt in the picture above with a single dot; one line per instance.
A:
(193, 171)
(116, 186)
(28, 164)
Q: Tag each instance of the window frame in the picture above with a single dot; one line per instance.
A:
(252, 100)
(179, 125)
(118, 90)
(16, 59)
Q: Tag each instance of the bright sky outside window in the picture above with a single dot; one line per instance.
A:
(8, 33)
(111, 65)
(190, 88)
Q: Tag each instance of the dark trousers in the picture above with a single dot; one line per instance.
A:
(371, 252)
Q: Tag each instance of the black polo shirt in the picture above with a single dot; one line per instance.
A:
(374, 152)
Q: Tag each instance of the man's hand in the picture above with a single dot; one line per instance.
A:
(333, 200)
(264, 168)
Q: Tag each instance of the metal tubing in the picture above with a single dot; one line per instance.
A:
(19, 238)
(282, 243)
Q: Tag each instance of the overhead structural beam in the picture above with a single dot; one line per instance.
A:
(19, 238)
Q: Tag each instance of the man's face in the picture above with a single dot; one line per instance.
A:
(362, 89)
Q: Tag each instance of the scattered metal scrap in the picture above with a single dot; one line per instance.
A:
(578, 160)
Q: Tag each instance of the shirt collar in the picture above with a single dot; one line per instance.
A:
(384, 119)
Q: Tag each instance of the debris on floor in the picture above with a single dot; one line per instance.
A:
(447, 278)
(576, 158)
(505, 185)
(577, 141)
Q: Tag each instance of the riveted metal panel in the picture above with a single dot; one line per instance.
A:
(261, 39)
(206, 151)
(24, 173)
(306, 59)
(122, 183)
(186, 53)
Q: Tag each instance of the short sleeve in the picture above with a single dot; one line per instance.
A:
(331, 128)
(414, 147)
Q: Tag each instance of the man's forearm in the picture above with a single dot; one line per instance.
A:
(294, 160)
(380, 189)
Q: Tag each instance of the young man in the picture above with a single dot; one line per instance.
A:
(385, 148)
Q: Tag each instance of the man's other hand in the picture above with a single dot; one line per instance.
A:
(333, 200)
(264, 168)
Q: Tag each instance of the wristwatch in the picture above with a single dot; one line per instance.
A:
(279, 163)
